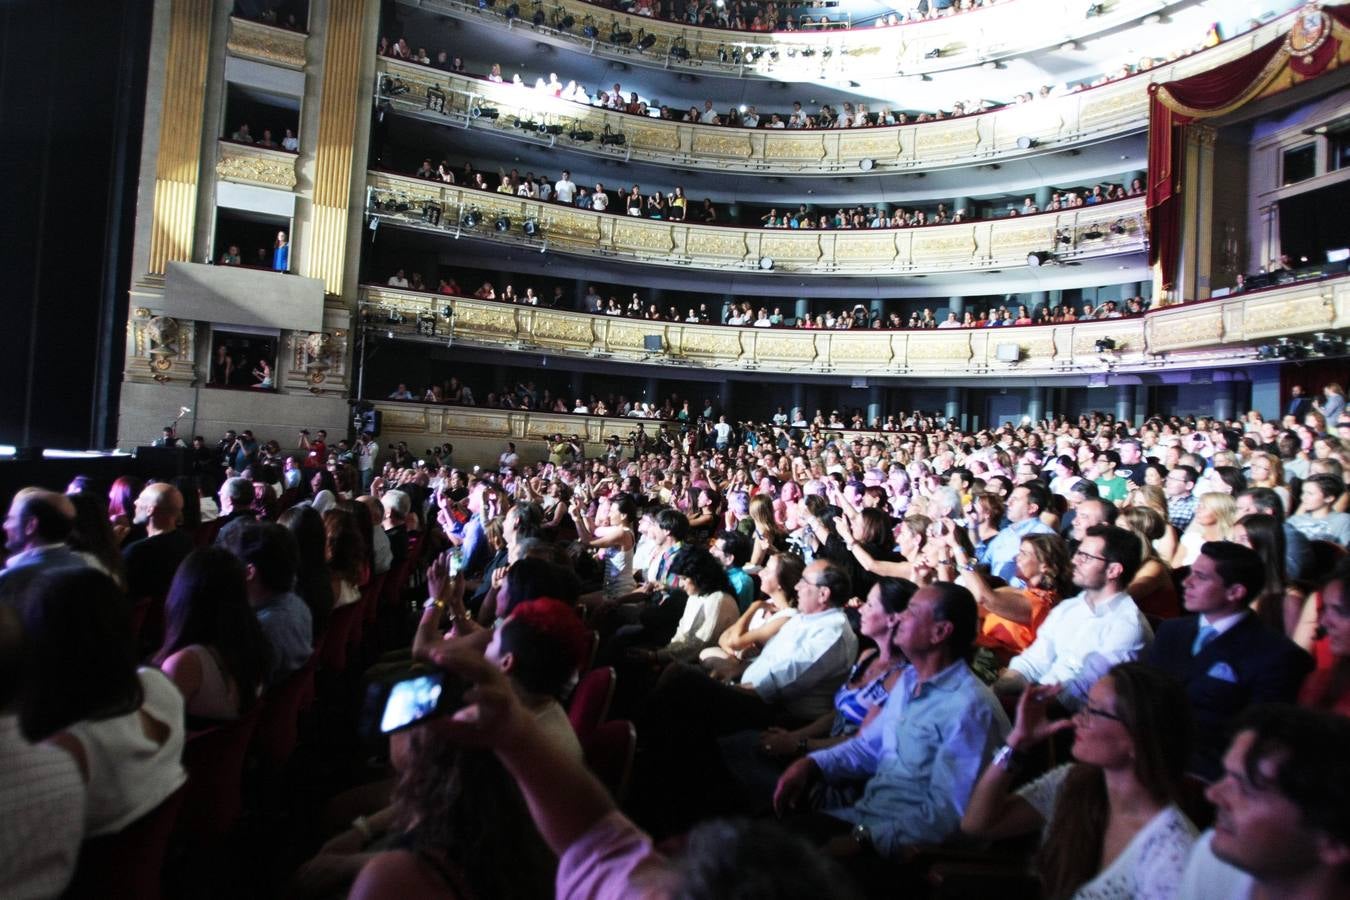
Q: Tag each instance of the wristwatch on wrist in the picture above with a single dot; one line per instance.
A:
(861, 836)
(1008, 759)
(968, 566)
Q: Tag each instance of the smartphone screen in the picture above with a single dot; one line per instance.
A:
(411, 701)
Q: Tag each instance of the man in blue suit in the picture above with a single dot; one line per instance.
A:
(1226, 657)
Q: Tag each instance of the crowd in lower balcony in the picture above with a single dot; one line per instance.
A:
(828, 665)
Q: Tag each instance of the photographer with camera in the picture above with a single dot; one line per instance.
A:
(316, 449)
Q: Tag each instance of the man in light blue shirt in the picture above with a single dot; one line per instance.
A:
(922, 755)
(270, 557)
(1025, 505)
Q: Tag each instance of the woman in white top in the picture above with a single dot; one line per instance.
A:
(214, 650)
(1111, 829)
(615, 541)
(1215, 516)
(710, 609)
(83, 692)
(761, 620)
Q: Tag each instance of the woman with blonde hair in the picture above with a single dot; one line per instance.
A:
(1152, 588)
(769, 535)
(1215, 516)
(1265, 470)
(1151, 496)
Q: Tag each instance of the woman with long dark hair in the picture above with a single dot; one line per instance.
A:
(214, 649)
(83, 692)
(1110, 822)
(1282, 605)
(345, 550)
(93, 537)
(122, 509)
(313, 580)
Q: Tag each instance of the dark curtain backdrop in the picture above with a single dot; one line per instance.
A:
(72, 94)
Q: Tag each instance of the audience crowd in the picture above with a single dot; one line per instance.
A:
(845, 660)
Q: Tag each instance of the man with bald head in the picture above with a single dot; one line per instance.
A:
(36, 528)
(152, 560)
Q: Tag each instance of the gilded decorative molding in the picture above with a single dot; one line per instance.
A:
(1118, 107)
(993, 243)
(266, 43)
(325, 257)
(178, 155)
(1182, 335)
(256, 165)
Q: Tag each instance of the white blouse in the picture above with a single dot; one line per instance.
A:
(1150, 866)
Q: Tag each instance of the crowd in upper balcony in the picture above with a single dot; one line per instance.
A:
(267, 140)
(848, 115)
(788, 16)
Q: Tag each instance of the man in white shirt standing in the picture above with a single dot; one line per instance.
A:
(565, 190)
(1282, 827)
(1087, 634)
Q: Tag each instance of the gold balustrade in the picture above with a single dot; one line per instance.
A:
(994, 32)
(1115, 108)
(260, 166)
(1100, 230)
(266, 43)
(1214, 332)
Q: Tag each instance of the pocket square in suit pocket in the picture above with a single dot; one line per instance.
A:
(1222, 671)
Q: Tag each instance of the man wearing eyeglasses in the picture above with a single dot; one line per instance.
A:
(1226, 657)
(1086, 634)
(1282, 827)
(1179, 486)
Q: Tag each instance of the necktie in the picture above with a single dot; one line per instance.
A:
(1206, 634)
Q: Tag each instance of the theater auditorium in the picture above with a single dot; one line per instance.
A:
(675, 449)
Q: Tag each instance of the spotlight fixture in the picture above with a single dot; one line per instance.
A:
(447, 310)
(609, 138)
(582, 136)
(588, 28)
(827, 53)
(808, 51)
(512, 11)
(679, 50)
(766, 263)
(470, 219)
(1025, 143)
(1093, 233)
(484, 112)
(538, 18)
(1063, 237)
(1105, 345)
(503, 224)
(531, 227)
(646, 42)
(1038, 258)
(551, 129)
(1267, 351)
(426, 326)
(1117, 227)
(867, 164)
(1095, 10)
(618, 36)
(935, 53)
(566, 22)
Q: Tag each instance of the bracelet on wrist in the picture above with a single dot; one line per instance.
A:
(1008, 758)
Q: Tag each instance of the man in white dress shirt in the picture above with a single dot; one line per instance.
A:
(1087, 634)
(1282, 826)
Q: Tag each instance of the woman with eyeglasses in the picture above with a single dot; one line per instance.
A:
(1110, 823)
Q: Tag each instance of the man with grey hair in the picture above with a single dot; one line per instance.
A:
(36, 528)
(236, 507)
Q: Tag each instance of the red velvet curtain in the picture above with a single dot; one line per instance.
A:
(1208, 93)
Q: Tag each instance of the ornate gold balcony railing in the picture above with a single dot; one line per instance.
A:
(1116, 108)
(266, 43)
(260, 166)
(994, 32)
(1088, 231)
(1215, 332)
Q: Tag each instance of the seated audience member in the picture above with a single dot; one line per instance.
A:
(42, 794)
(236, 509)
(1010, 616)
(1152, 588)
(922, 755)
(1024, 508)
(1283, 607)
(1223, 654)
(1266, 502)
(313, 579)
(732, 549)
(269, 556)
(763, 619)
(214, 649)
(1215, 514)
(36, 528)
(1283, 824)
(1328, 686)
(1088, 633)
(756, 758)
(151, 561)
(83, 692)
(397, 505)
(710, 609)
(346, 554)
(92, 537)
(381, 552)
(1317, 518)
(539, 647)
(600, 852)
(1109, 821)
